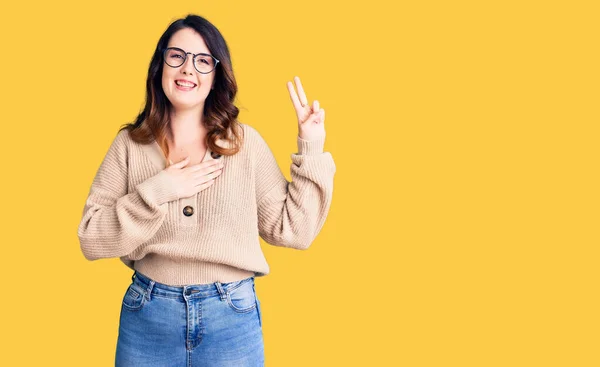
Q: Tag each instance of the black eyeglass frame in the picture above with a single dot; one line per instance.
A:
(164, 52)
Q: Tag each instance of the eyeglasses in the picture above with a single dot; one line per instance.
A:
(175, 57)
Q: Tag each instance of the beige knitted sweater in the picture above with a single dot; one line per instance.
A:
(133, 211)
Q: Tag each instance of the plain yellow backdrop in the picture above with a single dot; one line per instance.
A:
(464, 224)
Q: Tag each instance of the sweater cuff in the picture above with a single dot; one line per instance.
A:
(158, 189)
(310, 147)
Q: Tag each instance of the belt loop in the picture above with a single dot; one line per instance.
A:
(221, 291)
(149, 289)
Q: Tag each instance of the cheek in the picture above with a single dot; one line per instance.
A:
(207, 83)
(166, 80)
(205, 86)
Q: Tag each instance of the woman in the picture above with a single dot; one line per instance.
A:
(190, 229)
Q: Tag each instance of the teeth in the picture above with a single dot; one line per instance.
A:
(184, 84)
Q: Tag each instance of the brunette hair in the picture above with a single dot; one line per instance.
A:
(220, 114)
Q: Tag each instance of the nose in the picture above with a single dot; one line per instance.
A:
(188, 66)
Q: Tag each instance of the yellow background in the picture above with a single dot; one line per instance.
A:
(464, 224)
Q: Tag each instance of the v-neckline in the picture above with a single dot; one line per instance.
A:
(164, 159)
(157, 147)
(156, 155)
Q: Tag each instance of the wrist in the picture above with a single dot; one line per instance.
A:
(310, 147)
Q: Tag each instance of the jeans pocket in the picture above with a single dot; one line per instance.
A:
(241, 298)
(134, 298)
(258, 310)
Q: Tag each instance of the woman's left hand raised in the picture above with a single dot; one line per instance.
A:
(311, 118)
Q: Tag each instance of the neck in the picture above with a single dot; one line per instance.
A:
(186, 127)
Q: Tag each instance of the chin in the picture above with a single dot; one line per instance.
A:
(186, 105)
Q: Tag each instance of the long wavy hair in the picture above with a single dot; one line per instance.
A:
(220, 114)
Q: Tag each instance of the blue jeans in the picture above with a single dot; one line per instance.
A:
(217, 324)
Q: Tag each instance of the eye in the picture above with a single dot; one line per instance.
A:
(204, 60)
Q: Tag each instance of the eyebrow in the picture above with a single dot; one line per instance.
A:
(195, 53)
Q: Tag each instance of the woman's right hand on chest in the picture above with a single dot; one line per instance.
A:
(193, 179)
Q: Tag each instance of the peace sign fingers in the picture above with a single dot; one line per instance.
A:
(298, 99)
(301, 94)
(310, 116)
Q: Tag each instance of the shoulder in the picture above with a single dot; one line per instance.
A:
(123, 136)
(120, 138)
(254, 142)
(120, 143)
(251, 135)
(124, 139)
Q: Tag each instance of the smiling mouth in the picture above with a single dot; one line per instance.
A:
(185, 84)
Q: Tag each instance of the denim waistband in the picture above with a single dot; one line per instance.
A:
(152, 287)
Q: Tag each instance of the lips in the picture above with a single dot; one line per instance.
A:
(185, 83)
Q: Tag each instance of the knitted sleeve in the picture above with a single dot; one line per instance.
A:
(291, 214)
(116, 222)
